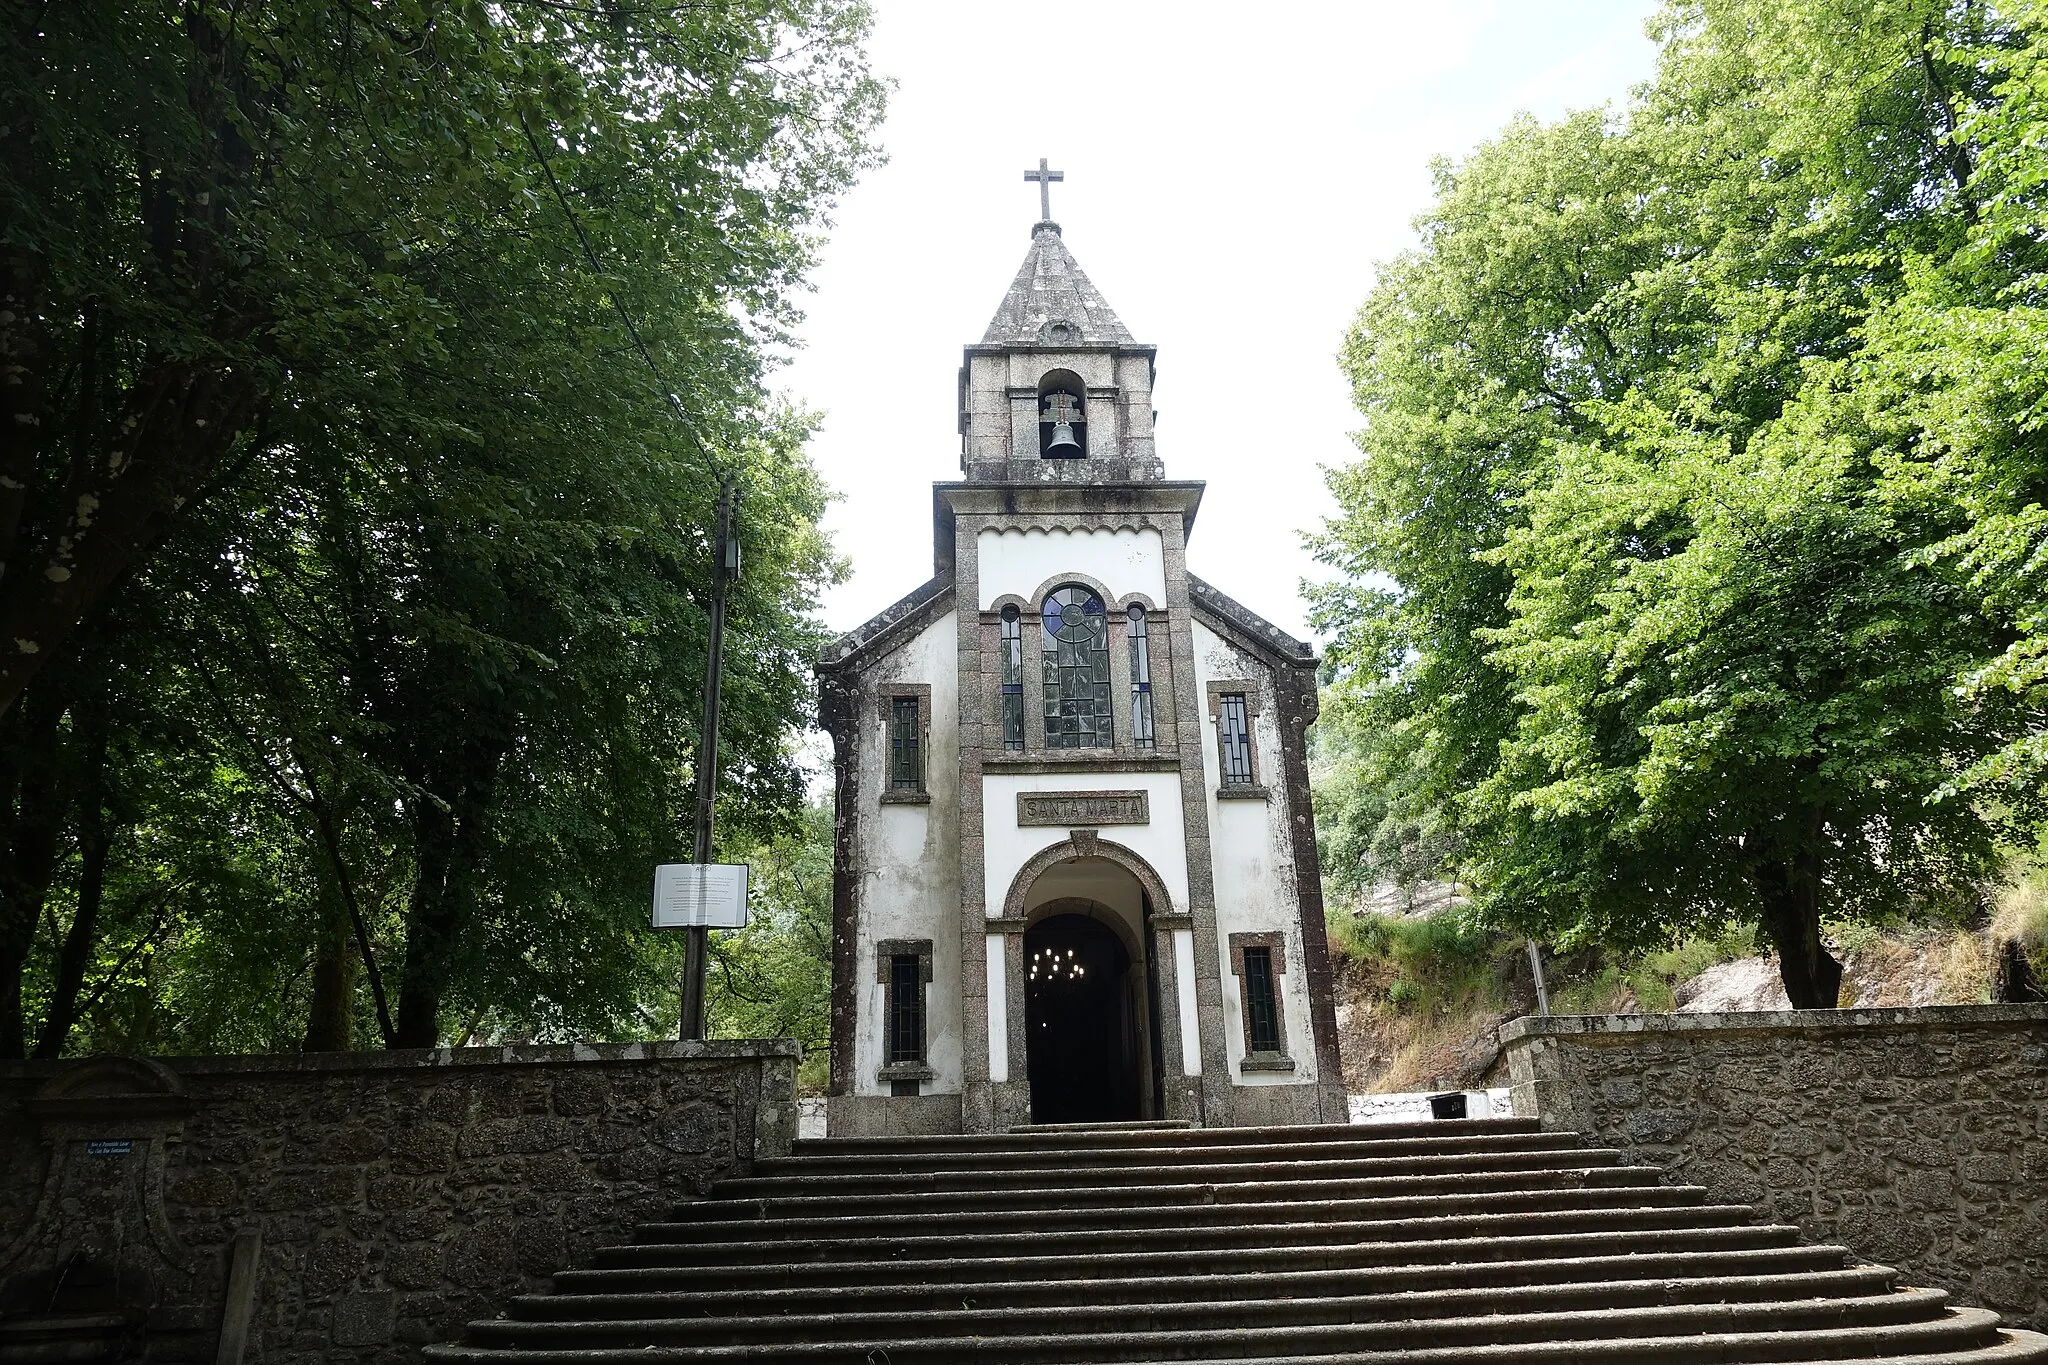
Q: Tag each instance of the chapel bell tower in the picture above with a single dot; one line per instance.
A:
(1055, 376)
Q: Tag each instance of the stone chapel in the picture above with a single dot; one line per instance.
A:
(1075, 874)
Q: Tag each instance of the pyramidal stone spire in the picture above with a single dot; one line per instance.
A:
(1051, 302)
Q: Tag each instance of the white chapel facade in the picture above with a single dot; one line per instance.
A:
(1075, 874)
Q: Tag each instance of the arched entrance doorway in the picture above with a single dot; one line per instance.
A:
(1081, 1047)
(1091, 997)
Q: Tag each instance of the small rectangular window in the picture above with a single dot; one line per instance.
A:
(1234, 737)
(906, 771)
(1141, 682)
(906, 1009)
(1263, 1019)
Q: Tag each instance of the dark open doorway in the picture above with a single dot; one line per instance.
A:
(1083, 1036)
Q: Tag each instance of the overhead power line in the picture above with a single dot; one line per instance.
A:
(611, 291)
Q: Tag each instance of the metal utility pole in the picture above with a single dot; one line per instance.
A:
(725, 561)
(1536, 970)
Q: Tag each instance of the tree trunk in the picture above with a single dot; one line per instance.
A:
(1789, 886)
(31, 813)
(96, 829)
(450, 848)
(330, 1020)
(181, 421)
(429, 931)
(2013, 981)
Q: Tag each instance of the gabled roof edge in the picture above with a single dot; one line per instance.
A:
(1250, 628)
(912, 612)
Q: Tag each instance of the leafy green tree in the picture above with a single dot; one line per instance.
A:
(399, 352)
(1636, 602)
(1735, 693)
(773, 979)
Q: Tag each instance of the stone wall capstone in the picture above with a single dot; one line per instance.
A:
(1917, 1138)
(391, 1196)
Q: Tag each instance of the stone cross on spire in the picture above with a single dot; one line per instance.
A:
(1044, 178)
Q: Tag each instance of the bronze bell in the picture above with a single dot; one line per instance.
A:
(1064, 414)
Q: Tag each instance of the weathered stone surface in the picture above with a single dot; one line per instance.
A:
(364, 1319)
(1917, 1138)
(398, 1194)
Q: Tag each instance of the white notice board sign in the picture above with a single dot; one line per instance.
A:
(700, 896)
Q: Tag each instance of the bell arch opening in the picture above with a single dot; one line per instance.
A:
(1091, 995)
(1062, 416)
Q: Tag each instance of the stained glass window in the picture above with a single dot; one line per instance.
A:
(1013, 680)
(1141, 682)
(1235, 740)
(1077, 705)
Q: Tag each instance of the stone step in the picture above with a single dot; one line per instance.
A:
(970, 1226)
(1122, 1136)
(1119, 1126)
(1467, 1256)
(1417, 1244)
(796, 1181)
(1739, 1274)
(1291, 1225)
(1804, 1330)
(601, 1325)
(1587, 1169)
(2005, 1347)
(1068, 1159)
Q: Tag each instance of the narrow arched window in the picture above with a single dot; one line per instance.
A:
(1141, 681)
(1076, 657)
(1013, 679)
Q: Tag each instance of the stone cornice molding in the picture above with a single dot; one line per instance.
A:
(1066, 504)
(1045, 523)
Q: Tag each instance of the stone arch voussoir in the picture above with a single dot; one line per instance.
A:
(1084, 843)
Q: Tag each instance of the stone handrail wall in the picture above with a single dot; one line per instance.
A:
(1917, 1138)
(387, 1198)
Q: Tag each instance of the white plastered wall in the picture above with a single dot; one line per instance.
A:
(910, 868)
(1124, 560)
(1253, 861)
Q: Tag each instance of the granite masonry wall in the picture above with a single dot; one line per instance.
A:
(346, 1208)
(1918, 1138)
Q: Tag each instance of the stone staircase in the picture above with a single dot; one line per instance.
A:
(1486, 1240)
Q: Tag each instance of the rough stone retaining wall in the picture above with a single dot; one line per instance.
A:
(396, 1195)
(1918, 1138)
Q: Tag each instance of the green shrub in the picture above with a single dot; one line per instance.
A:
(1358, 937)
(1437, 962)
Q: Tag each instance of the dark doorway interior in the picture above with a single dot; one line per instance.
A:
(1082, 1041)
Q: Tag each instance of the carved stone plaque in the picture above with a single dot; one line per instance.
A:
(1088, 809)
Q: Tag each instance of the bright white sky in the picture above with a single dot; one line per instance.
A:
(1233, 174)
